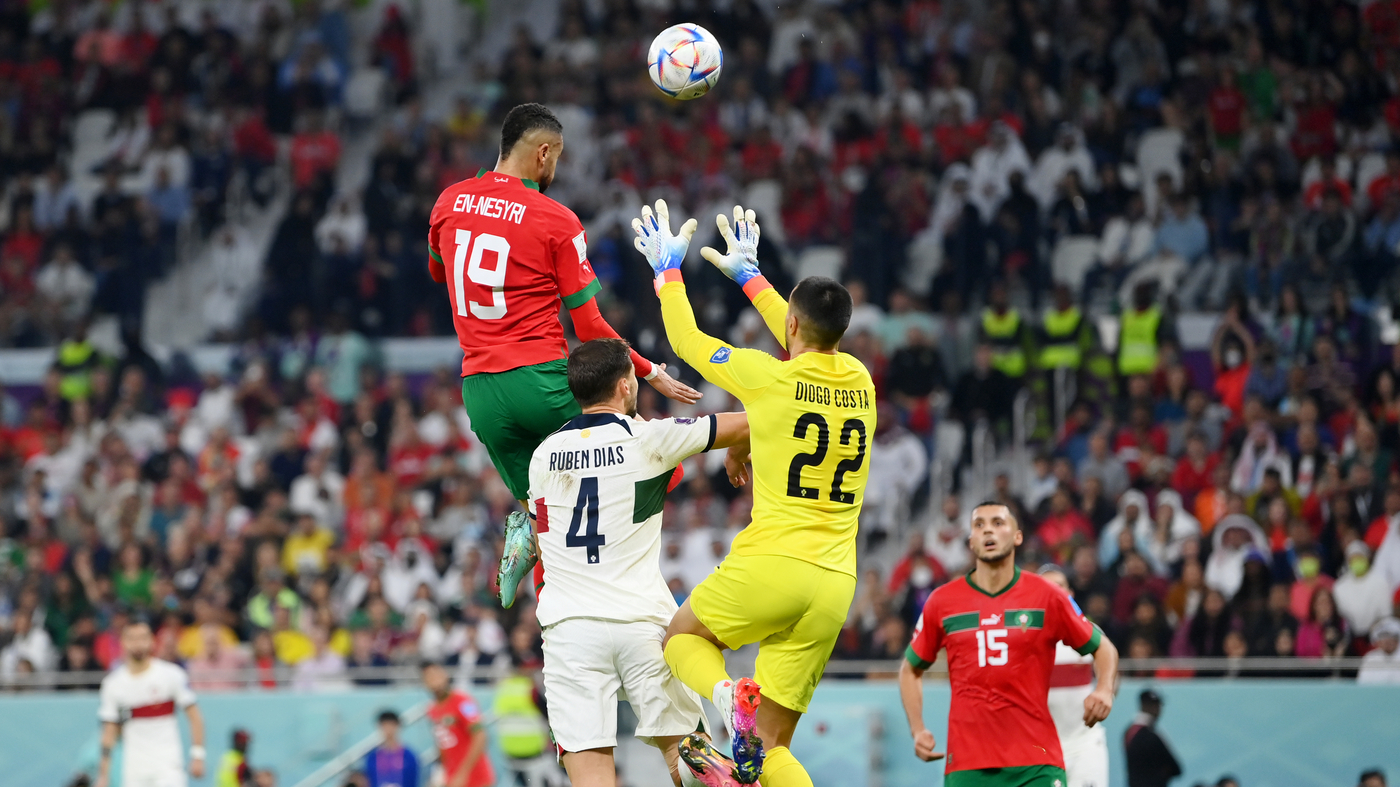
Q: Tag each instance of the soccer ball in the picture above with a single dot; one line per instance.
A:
(685, 61)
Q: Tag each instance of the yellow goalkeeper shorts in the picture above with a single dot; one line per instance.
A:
(792, 608)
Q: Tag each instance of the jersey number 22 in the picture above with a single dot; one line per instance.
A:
(853, 429)
(493, 279)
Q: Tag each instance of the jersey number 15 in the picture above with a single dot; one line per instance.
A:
(493, 279)
(853, 429)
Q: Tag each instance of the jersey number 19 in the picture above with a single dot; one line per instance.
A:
(491, 278)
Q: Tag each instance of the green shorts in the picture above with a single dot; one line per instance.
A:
(1021, 776)
(513, 412)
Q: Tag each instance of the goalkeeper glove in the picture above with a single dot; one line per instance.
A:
(664, 251)
(741, 262)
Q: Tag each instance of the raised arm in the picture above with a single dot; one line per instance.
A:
(589, 324)
(740, 264)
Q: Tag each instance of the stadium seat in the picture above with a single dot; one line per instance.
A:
(1072, 258)
(1159, 151)
(765, 197)
(821, 261)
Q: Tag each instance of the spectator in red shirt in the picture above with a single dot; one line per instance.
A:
(1315, 127)
(1065, 527)
(1194, 470)
(315, 152)
(1140, 437)
(23, 240)
(1226, 108)
(1327, 181)
(1231, 352)
(1387, 183)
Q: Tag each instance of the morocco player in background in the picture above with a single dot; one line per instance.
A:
(509, 255)
(459, 732)
(1001, 628)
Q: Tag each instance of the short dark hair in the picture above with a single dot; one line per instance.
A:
(595, 367)
(389, 715)
(826, 305)
(1008, 508)
(524, 119)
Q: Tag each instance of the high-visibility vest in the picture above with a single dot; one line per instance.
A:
(519, 723)
(1003, 332)
(72, 362)
(1137, 349)
(1061, 350)
(228, 769)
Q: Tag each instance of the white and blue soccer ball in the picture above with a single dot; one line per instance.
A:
(685, 61)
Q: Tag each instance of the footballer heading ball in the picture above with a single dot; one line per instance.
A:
(685, 61)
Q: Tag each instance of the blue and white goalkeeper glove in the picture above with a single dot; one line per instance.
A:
(664, 251)
(741, 262)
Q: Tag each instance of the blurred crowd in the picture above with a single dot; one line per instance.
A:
(302, 512)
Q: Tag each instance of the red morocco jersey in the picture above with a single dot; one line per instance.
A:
(1001, 650)
(452, 720)
(510, 255)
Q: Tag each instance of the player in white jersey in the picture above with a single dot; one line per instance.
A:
(137, 703)
(596, 491)
(1071, 680)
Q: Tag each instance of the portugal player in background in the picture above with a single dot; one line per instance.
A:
(1085, 747)
(1001, 628)
(509, 255)
(137, 703)
(458, 731)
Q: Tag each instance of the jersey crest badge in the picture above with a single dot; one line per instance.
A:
(721, 355)
(1023, 620)
(684, 420)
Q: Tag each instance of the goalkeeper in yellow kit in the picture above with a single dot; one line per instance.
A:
(790, 576)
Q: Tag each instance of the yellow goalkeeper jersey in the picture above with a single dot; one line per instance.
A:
(811, 422)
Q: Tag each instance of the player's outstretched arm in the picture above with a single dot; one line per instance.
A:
(740, 264)
(911, 694)
(1100, 702)
(731, 429)
(589, 325)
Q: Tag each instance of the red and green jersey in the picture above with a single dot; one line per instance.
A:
(510, 255)
(453, 719)
(1001, 650)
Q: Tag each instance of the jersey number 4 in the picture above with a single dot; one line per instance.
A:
(583, 530)
(493, 279)
(849, 430)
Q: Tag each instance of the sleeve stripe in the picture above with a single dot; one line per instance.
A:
(433, 253)
(714, 429)
(915, 660)
(583, 296)
(1093, 643)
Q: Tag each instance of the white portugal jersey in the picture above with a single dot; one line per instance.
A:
(145, 706)
(597, 487)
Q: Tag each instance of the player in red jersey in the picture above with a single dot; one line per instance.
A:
(1000, 628)
(458, 731)
(509, 255)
